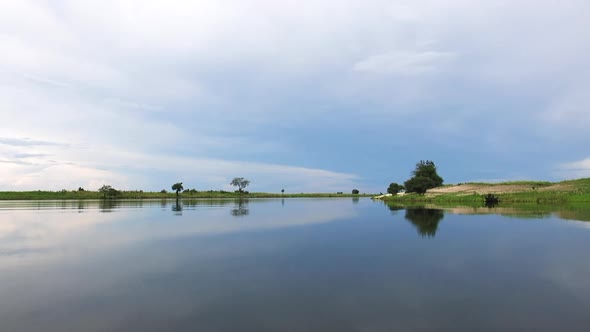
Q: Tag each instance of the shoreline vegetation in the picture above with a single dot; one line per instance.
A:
(471, 193)
(138, 194)
(517, 192)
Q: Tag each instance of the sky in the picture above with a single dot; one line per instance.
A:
(306, 96)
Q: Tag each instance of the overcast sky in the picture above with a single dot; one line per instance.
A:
(319, 95)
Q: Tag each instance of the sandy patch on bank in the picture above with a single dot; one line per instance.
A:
(469, 189)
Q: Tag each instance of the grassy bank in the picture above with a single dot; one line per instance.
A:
(538, 192)
(59, 195)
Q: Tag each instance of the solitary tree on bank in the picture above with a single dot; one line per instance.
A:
(241, 183)
(177, 187)
(425, 177)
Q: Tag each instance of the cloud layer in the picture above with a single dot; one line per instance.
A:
(311, 96)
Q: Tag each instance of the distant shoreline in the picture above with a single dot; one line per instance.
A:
(138, 195)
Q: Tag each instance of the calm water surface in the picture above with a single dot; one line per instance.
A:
(291, 265)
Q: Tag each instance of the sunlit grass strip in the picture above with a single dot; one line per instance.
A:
(512, 183)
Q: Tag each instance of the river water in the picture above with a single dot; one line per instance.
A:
(291, 265)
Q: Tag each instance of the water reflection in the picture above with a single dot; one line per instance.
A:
(108, 205)
(575, 211)
(177, 208)
(311, 265)
(241, 208)
(425, 220)
(395, 208)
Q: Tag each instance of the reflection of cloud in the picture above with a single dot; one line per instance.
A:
(21, 251)
(67, 229)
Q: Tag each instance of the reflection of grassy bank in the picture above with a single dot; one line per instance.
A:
(571, 211)
(59, 195)
(522, 197)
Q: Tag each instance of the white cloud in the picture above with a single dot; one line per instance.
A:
(574, 170)
(404, 63)
(67, 168)
(150, 77)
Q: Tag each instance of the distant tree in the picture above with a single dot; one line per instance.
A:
(163, 191)
(394, 188)
(241, 183)
(282, 191)
(104, 190)
(427, 168)
(355, 191)
(108, 191)
(80, 189)
(177, 187)
(419, 184)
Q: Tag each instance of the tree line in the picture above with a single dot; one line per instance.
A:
(109, 192)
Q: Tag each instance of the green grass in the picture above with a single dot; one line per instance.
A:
(521, 183)
(570, 191)
(58, 195)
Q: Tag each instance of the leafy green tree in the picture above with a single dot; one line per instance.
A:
(104, 190)
(394, 188)
(108, 191)
(419, 184)
(177, 187)
(427, 168)
(355, 191)
(425, 177)
(241, 183)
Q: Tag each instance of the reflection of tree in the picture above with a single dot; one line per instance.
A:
(107, 205)
(355, 200)
(241, 209)
(394, 208)
(425, 220)
(177, 208)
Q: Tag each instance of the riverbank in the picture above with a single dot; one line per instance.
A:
(80, 195)
(571, 191)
